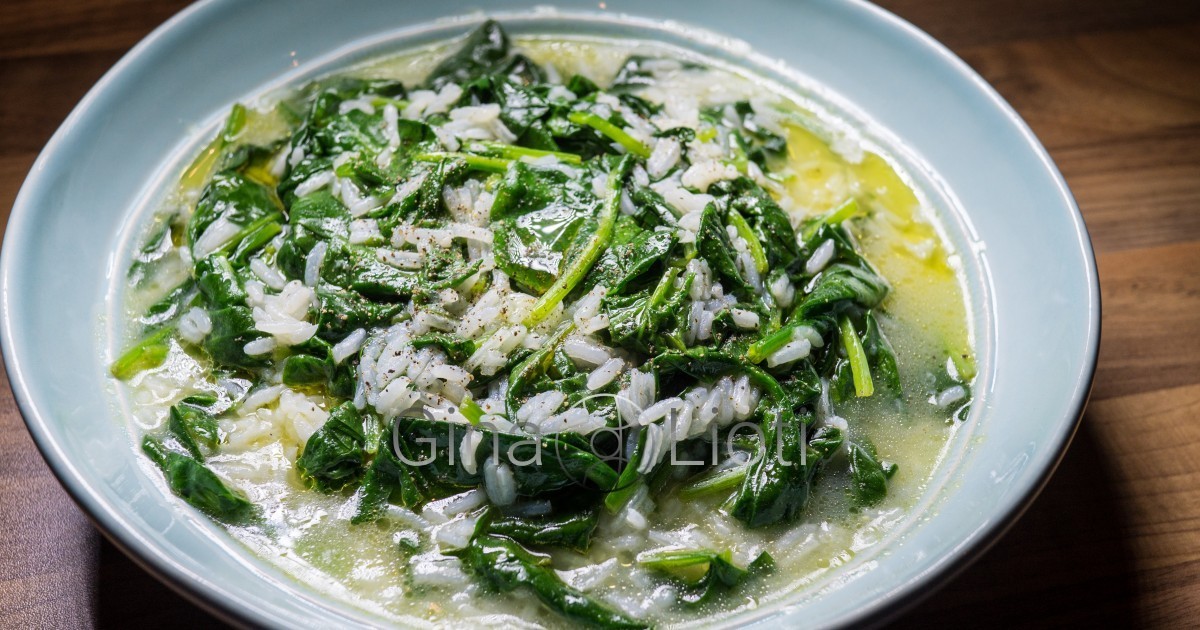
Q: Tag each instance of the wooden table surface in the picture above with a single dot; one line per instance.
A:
(1111, 87)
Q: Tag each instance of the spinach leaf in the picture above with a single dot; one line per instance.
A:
(327, 96)
(219, 283)
(624, 264)
(766, 218)
(504, 565)
(530, 248)
(712, 243)
(568, 529)
(342, 312)
(193, 426)
(777, 483)
(630, 480)
(842, 283)
(703, 572)
(868, 474)
(315, 217)
(193, 482)
(443, 269)
(426, 200)
(881, 355)
(359, 269)
(521, 107)
(146, 354)
(391, 479)
(457, 349)
(354, 130)
(172, 305)
(540, 465)
(429, 466)
(237, 200)
(580, 261)
(486, 52)
(157, 245)
(305, 369)
(333, 456)
(540, 214)
(531, 368)
(233, 328)
(652, 320)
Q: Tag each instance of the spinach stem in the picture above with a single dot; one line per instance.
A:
(380, 101)
(847, 210)
(713, 483)
(618, 135)
(471, 409)
(738, 148)
(629, 481)
(476, 162)
(260, 223)
(582, 264)
(200, 168)
(148, 353)
(752, 243)
(763, 348)
(514, 152)
(863, 386)
(664, 285)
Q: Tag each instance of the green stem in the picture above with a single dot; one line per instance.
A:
(582, 264)
(380, 101)
(200, 168)
(618, 135)
(146, 354)
(713, 483)
(471, 409)
(629, 481)
(738, 148)
(752, 243)
(476, 162)
(513, 152)
(763, 348)
(686, 565)
(664, 285)
(261, 222)
(848, 209)
(863, 386)
(533, 367)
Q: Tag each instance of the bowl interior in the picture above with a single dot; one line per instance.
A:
(1032, 290)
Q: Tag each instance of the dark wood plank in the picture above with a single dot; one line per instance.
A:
(35, 27)
(1151, 330)
(960, 24)
(1113, 541)
(59, 81)
(47, 547)
(1139, 191)
(1089, 89)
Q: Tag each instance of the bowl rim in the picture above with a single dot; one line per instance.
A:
(215, 600)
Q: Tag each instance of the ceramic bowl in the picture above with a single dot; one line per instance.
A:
(1027, 259)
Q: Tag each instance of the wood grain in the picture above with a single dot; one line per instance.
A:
(1112, 87)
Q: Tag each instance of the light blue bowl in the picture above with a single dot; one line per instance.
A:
(1025, 251)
